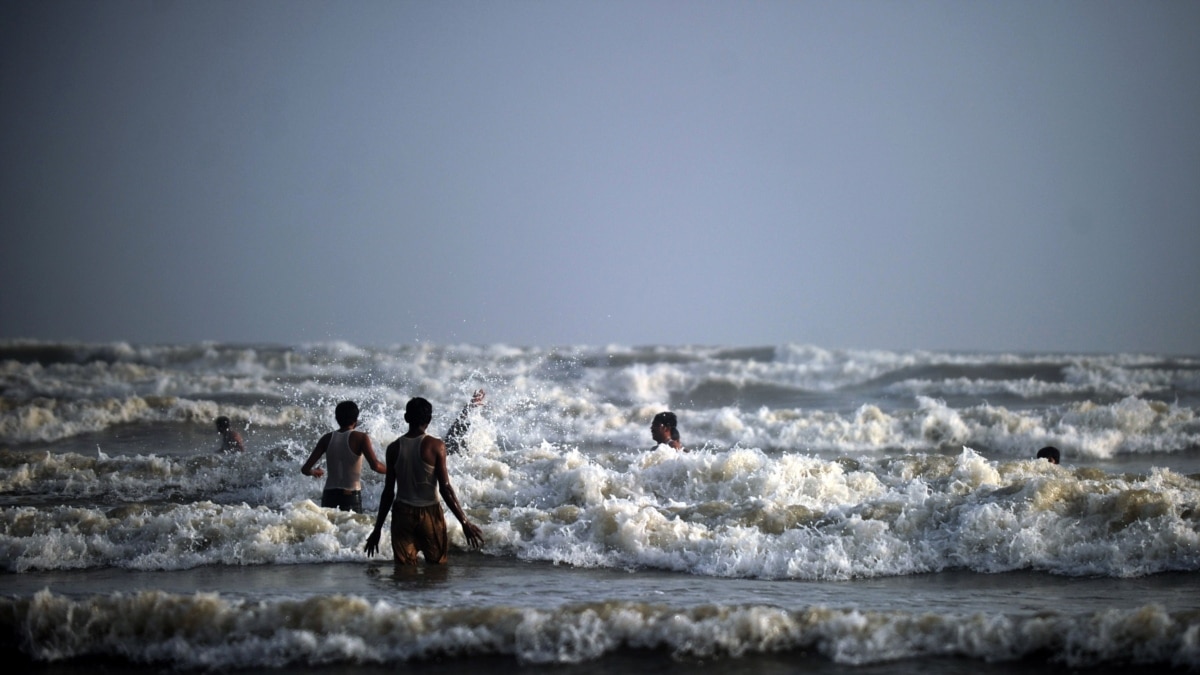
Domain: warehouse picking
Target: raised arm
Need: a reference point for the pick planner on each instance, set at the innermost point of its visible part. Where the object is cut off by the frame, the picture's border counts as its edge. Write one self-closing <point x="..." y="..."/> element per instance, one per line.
<point x="442" y="474"/>
<point x="385" y="499"/>
<point x="462" y="424"/>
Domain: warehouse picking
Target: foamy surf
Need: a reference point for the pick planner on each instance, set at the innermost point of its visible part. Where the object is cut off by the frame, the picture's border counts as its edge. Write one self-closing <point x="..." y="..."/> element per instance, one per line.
<point x="211" y="632"/>
<point x="737" y="513"/>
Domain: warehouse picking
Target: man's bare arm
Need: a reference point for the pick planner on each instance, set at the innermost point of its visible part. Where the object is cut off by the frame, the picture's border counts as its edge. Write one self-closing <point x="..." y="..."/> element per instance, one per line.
<point x="385" y="499"/>
<point x="308" y="469"/>
<point x="472" y="532"/>
<point x="455" y="437"/>
<point x="367" y="450"/>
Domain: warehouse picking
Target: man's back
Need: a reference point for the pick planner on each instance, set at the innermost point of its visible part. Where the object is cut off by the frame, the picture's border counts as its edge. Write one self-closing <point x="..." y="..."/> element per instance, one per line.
<point x="422" y="464"/>
<point x="416" y="482"/>
<point x="345" y="465"/>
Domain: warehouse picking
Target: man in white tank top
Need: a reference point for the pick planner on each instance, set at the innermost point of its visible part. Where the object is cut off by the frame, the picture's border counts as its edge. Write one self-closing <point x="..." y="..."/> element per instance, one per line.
<point x="416" y="474"/>
<point x="345" y="450"/>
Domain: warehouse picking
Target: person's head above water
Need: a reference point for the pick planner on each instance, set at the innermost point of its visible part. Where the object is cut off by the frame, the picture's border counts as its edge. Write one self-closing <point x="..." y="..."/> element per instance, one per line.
<point x="418" y="412"/>
<point x="662" y="426"/>
<point x="222" y="424"/>
<point x="346" y="413"/>
<point x="1049" y="453"/>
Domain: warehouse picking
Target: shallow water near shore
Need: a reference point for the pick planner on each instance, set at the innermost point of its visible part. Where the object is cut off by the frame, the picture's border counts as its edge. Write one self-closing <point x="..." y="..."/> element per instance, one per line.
<point x="486" y="580"/>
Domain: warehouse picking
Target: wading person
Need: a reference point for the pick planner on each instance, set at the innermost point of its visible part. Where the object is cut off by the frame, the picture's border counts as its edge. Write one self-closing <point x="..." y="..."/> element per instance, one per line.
<point x="416" y="474"/>
<point x="344" y="450"/>
<point x="231" y="441"/>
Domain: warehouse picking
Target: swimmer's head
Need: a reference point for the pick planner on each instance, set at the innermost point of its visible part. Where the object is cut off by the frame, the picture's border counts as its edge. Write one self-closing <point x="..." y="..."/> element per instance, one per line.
<point x="1049" y="453"/>
<point x="666" y="419"/>
<point x="663" y="427"/>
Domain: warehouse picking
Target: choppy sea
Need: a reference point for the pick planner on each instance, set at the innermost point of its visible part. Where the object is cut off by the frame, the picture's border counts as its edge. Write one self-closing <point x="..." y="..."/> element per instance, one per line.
<point x="833" y="511"/>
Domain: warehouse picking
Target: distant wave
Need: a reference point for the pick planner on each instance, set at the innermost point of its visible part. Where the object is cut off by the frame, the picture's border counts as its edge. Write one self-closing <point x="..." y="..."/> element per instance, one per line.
<point x="788" y="398"/>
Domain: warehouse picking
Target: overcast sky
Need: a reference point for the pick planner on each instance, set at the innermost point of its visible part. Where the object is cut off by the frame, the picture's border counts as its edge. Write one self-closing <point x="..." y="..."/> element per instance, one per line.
<point x="1001" y="175"/>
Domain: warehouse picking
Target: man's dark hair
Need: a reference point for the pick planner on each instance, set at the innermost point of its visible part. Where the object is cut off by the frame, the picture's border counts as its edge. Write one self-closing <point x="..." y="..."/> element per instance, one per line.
<point x="1049" y="452"/>
<point x="667" y="419"/>
<point x="418" y="411"/>
<point x="346" y="413"/>
<point x="222" y="423"/>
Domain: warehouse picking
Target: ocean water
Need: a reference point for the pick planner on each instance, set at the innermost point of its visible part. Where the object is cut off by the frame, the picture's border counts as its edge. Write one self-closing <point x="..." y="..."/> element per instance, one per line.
<point x="833" y="511"/>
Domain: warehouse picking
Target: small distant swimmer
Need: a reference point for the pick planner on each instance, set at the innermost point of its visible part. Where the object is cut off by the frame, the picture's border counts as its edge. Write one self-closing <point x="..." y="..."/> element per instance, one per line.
<point x="416" y="474"/>
<point x="1049" y="453"/>
<point x="231" y="441"/>
<point x="664" y="429"/>
<point x="456" y="437"/>
<point x="346" y="449"/>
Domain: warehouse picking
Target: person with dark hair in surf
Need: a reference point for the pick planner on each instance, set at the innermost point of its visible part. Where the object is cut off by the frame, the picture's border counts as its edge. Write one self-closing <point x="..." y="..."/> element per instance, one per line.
<point x="416" y="475"/>
<point x="231" y="441"/>
<point x="1049" y="453"/>
<point x="664" y="429"/>
<point x="345" y="450"/>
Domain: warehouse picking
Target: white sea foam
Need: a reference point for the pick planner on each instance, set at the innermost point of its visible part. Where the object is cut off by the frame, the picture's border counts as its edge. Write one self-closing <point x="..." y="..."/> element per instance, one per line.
<point x="734" y="513"/>
<point x="805" y="463"/>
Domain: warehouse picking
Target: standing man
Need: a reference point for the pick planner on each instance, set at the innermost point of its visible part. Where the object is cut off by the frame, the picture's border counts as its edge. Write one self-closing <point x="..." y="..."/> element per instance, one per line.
<point x="346" y="449"/>
<point x="416" y="473"/>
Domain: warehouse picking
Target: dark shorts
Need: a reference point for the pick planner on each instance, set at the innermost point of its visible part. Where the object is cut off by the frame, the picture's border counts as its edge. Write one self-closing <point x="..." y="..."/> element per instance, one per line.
<point x="342" y="500"/>
<point x="419" y="528"/>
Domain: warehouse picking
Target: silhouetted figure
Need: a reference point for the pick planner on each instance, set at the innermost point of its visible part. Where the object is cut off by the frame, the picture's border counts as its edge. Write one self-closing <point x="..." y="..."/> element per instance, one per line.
<point x="416" y="474"/>
<point x="345" y="450"/>
<point x="231" y="441"/>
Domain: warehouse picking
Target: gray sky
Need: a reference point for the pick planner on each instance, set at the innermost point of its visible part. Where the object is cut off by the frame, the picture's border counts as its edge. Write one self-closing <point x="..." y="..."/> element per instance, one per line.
<point x="1002" y="175"/>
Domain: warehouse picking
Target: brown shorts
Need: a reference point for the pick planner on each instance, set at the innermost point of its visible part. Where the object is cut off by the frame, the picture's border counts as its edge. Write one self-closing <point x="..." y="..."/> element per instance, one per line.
<point x="419" y="528"/>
